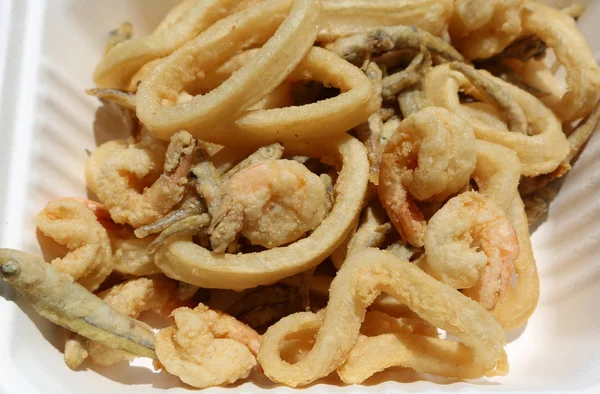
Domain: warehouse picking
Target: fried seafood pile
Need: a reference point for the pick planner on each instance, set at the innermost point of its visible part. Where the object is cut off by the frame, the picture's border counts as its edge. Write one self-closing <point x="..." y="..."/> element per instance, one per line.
<point x="363" y="173"/>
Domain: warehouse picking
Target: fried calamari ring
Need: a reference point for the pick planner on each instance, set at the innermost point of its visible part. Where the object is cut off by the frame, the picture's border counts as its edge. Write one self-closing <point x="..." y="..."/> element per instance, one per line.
<point x="573" y="52"/>
<point x="362" y="278"/>
<point x="294" y="24"/>
<point x="519" y="304"/>
<point x="326" y="118"/>
<point x="183" y="260"/>
<point x="540" y="152"/>
<point x="497" y="173"/>
<point x="345" y="17"/>
<point x="181" y="24"/>
<point x="330" y="117"/>
<point x="482" y="28"/>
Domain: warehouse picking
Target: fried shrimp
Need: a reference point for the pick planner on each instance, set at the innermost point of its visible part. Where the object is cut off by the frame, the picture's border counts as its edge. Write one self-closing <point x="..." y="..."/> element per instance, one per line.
<point x="349" y="181"/>
<point x="131" y="299"/>
<point x="71" y="224"/>
<point x="121" y="180"/>
<point x="271" y="203"/>
<point x="364" y="276"/>
<point x="431" y="156"/>
<point x="464" y="221"/>
<point x="207" y="348"/>
<point x="539" y="153"/>
<point x="269" y="152"/>
<point x="483" y="28"/>
<point x="97" y="159"/>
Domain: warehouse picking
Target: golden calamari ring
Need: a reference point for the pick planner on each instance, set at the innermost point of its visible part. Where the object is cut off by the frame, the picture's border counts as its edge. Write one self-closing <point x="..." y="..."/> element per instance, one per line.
<point x="183" y="260"/>
<point x="540" y="152"/>
<point x="497" y="173"/>
<point x="324" y="119"/>
<point x="288" y="29"/>
<point x="346" y="17"/>
<point x="181" y="24"/>
<point x="365" y="275"/>
<point x="559" y="32"/>
<point x="520" y="302"/>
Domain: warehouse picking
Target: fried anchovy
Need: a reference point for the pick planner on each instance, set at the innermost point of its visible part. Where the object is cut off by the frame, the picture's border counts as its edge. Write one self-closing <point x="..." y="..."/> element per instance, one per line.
<point x="122" y="33"/>
<point x="369" y="132"/>
<point x="191" y="205"/>
<point x="121" y="97"/>
<point x="207" y="182"/>
<point x="512" y="112"/>
<point x="524" y="49"/>
<point x="504" y="72"/>
<point x="401" y="80"/>
<point x="58" y="298"/>
<point x="191" y="224"/>
<point x="360" y="47"/>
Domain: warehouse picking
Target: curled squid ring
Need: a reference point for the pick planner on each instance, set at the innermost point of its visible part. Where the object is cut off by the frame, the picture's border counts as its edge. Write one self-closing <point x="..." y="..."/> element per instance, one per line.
<point x="519" y="304"/>
<point x="181" y="24"/>
<point x="497" y="173"/>
<point x="288" y="29"/>
<point x="573" y="52"/>
<point x="365" y="275"/>
<point x="540" y="152"/>
<point x="183" y="260"/>
<point x="330" y="117"/>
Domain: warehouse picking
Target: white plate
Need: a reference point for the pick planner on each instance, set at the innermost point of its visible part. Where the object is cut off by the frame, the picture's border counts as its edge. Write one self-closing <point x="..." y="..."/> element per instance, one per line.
<point x="47" y="53"/>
